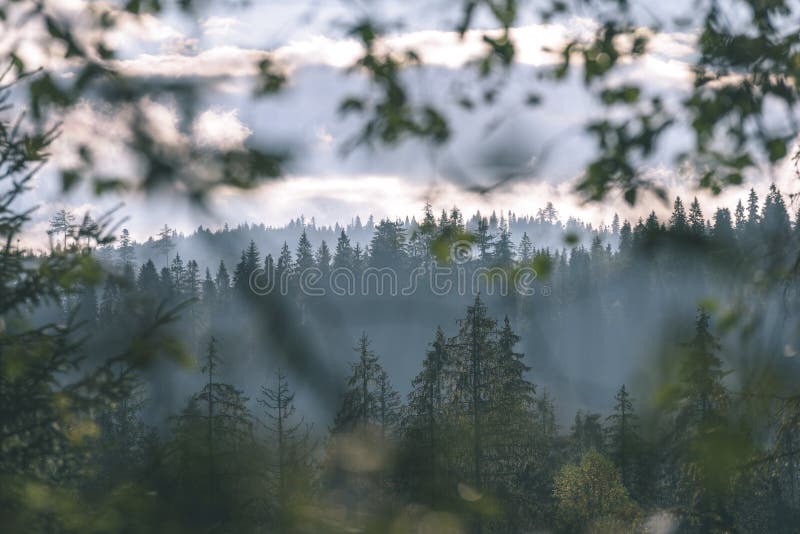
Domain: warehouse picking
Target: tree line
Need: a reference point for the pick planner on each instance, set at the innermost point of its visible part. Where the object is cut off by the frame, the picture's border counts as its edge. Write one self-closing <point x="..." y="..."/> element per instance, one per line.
<point x="471" y="443"/>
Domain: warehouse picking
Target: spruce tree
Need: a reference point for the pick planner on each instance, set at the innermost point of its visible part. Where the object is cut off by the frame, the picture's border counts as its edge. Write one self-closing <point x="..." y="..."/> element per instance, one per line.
<point x="289" y="439"/>
<point x="223" y="281"/>
<point x="525" y="249"/>
<point x="360" y="404"/>
<point x="425" y="423"/>
<point x="623" y="438"/>
<point x="503" y="255"/>
<point x="343" y="256"/>
<point x="697" y="225"/>
<point x="677" y="221"/>
<point x="215" y="446"/>
<point x="304" y="255"/>
<point x="323" y="260"/>
<point x="285" y="265"/>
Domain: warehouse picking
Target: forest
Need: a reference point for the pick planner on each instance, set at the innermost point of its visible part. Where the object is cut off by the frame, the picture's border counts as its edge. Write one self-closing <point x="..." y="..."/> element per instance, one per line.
<point x="446" y="370"/>
<point x="661" y="429"/>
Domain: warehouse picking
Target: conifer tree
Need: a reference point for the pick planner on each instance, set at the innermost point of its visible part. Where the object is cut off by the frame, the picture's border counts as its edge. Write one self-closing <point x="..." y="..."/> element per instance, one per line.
<point x="484" y="240"/>
<point x="623" y="437"/>
<point x="223" y="281"/>
<point x="343" y="256"/>
<point x="63" y="222"/>
<point x="425" y="422"/>
<point x="192" y="279"/>
<point x="739" y="218"/>
<point x="697" y="224"/>
<point x="177" y="273"/>
<point x="289" y="439"/>
<point x="525" y="249"/>
<point x="323" y="260"/>
<point x="125" y="249"/>
<point x="504" y="250"/>
<point x="387" y="247"/>
<point x="147" y="281"/>
<point x="360" y="406"/>
<point x="305" y="255"/>
<point x="700" y="419"/>
<point x="249" y="261"/>
<point x="214" y="444"/>
<point x="677" y="221"/>
<point x="164" y="244"/>
<point x="285" y="264"/>
<point x="209" y="290"/>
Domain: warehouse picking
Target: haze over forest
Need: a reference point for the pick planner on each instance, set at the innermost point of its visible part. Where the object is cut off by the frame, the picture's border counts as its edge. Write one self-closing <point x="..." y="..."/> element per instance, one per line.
<point x="561" y="295"/>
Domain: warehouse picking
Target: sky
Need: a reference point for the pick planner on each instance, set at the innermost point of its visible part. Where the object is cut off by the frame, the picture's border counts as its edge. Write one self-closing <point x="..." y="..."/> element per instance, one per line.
<point x="220" y="47"/>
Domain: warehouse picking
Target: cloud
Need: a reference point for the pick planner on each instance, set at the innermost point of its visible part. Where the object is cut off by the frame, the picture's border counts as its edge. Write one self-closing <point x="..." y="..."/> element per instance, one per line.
<point x="219" y="26"/>
<point x="221" y="61"/>
<point x="220" y="129"/>
<point x="545" y="144"/>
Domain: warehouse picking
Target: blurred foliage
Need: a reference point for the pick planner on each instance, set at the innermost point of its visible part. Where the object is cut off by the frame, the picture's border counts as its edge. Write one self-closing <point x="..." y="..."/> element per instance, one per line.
<point x="739" y="68"/>
<point x="74" y="456"/>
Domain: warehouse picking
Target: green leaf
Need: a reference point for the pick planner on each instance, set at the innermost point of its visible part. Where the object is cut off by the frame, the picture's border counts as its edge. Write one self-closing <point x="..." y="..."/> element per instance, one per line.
<point x="776" y="149"/>
<point x="68" y="179"/>
<point x="630" y="196"/>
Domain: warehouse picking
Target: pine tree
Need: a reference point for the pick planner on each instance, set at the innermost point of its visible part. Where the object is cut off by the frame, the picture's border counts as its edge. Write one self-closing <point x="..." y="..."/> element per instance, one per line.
<point x="359" y="258"/>
<point x="209" y="290"/>
<point x="388" y="406"/>
<point x="63" y="222"/>
<point x="504" y="250"/>
<point x="304" y="255"/>
<point x="215" y="444"/>
<point x="285" y="264"/>
<point x="753" y="217"/>
<point x="324" y="260"/>
<point x="677" y="222"/>
<point x="164" y="244"/>
<point x="474" y="363"/>
<point x="249" y="261"/>
<point x="424" y="424"/>
<point x="343" y="256"/>
<point x="147" y="281"/>
<point x="700" y="424"/>
<point x="178" y="274"/>
<point x="739" y="218"/>
<point x="192" y="279"/>
<point x="623" y="438"/>
<point x="484" y="240"/>
<point x="525" y="249"/>
<point x="775" y="219"/>
<point x="427" y="230"/>
<point x="722" y="231"/>
<point x="223" y="281"/>
<point x="166" y="287"/>
<point x="290" y="439"/>
<point x="705" y="398"/>
<point x="625" y="240"/>
<point x="697" y="224"/>
<point x="387" y="247"/>
<point x="125" y="249"/>
<point x="359" y="407"/>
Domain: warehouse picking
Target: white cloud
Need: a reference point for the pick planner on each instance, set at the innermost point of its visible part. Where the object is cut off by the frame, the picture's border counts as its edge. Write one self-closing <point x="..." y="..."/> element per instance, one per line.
<point x="216" y="62"/>
<point x="220" y="129"/>
<point x="219" y="26"/>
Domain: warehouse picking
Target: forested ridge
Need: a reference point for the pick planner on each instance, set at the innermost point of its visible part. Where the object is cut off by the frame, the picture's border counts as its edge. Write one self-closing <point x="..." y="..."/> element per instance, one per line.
<point x="680" y="427"/>
<point x="447" y="372"/>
